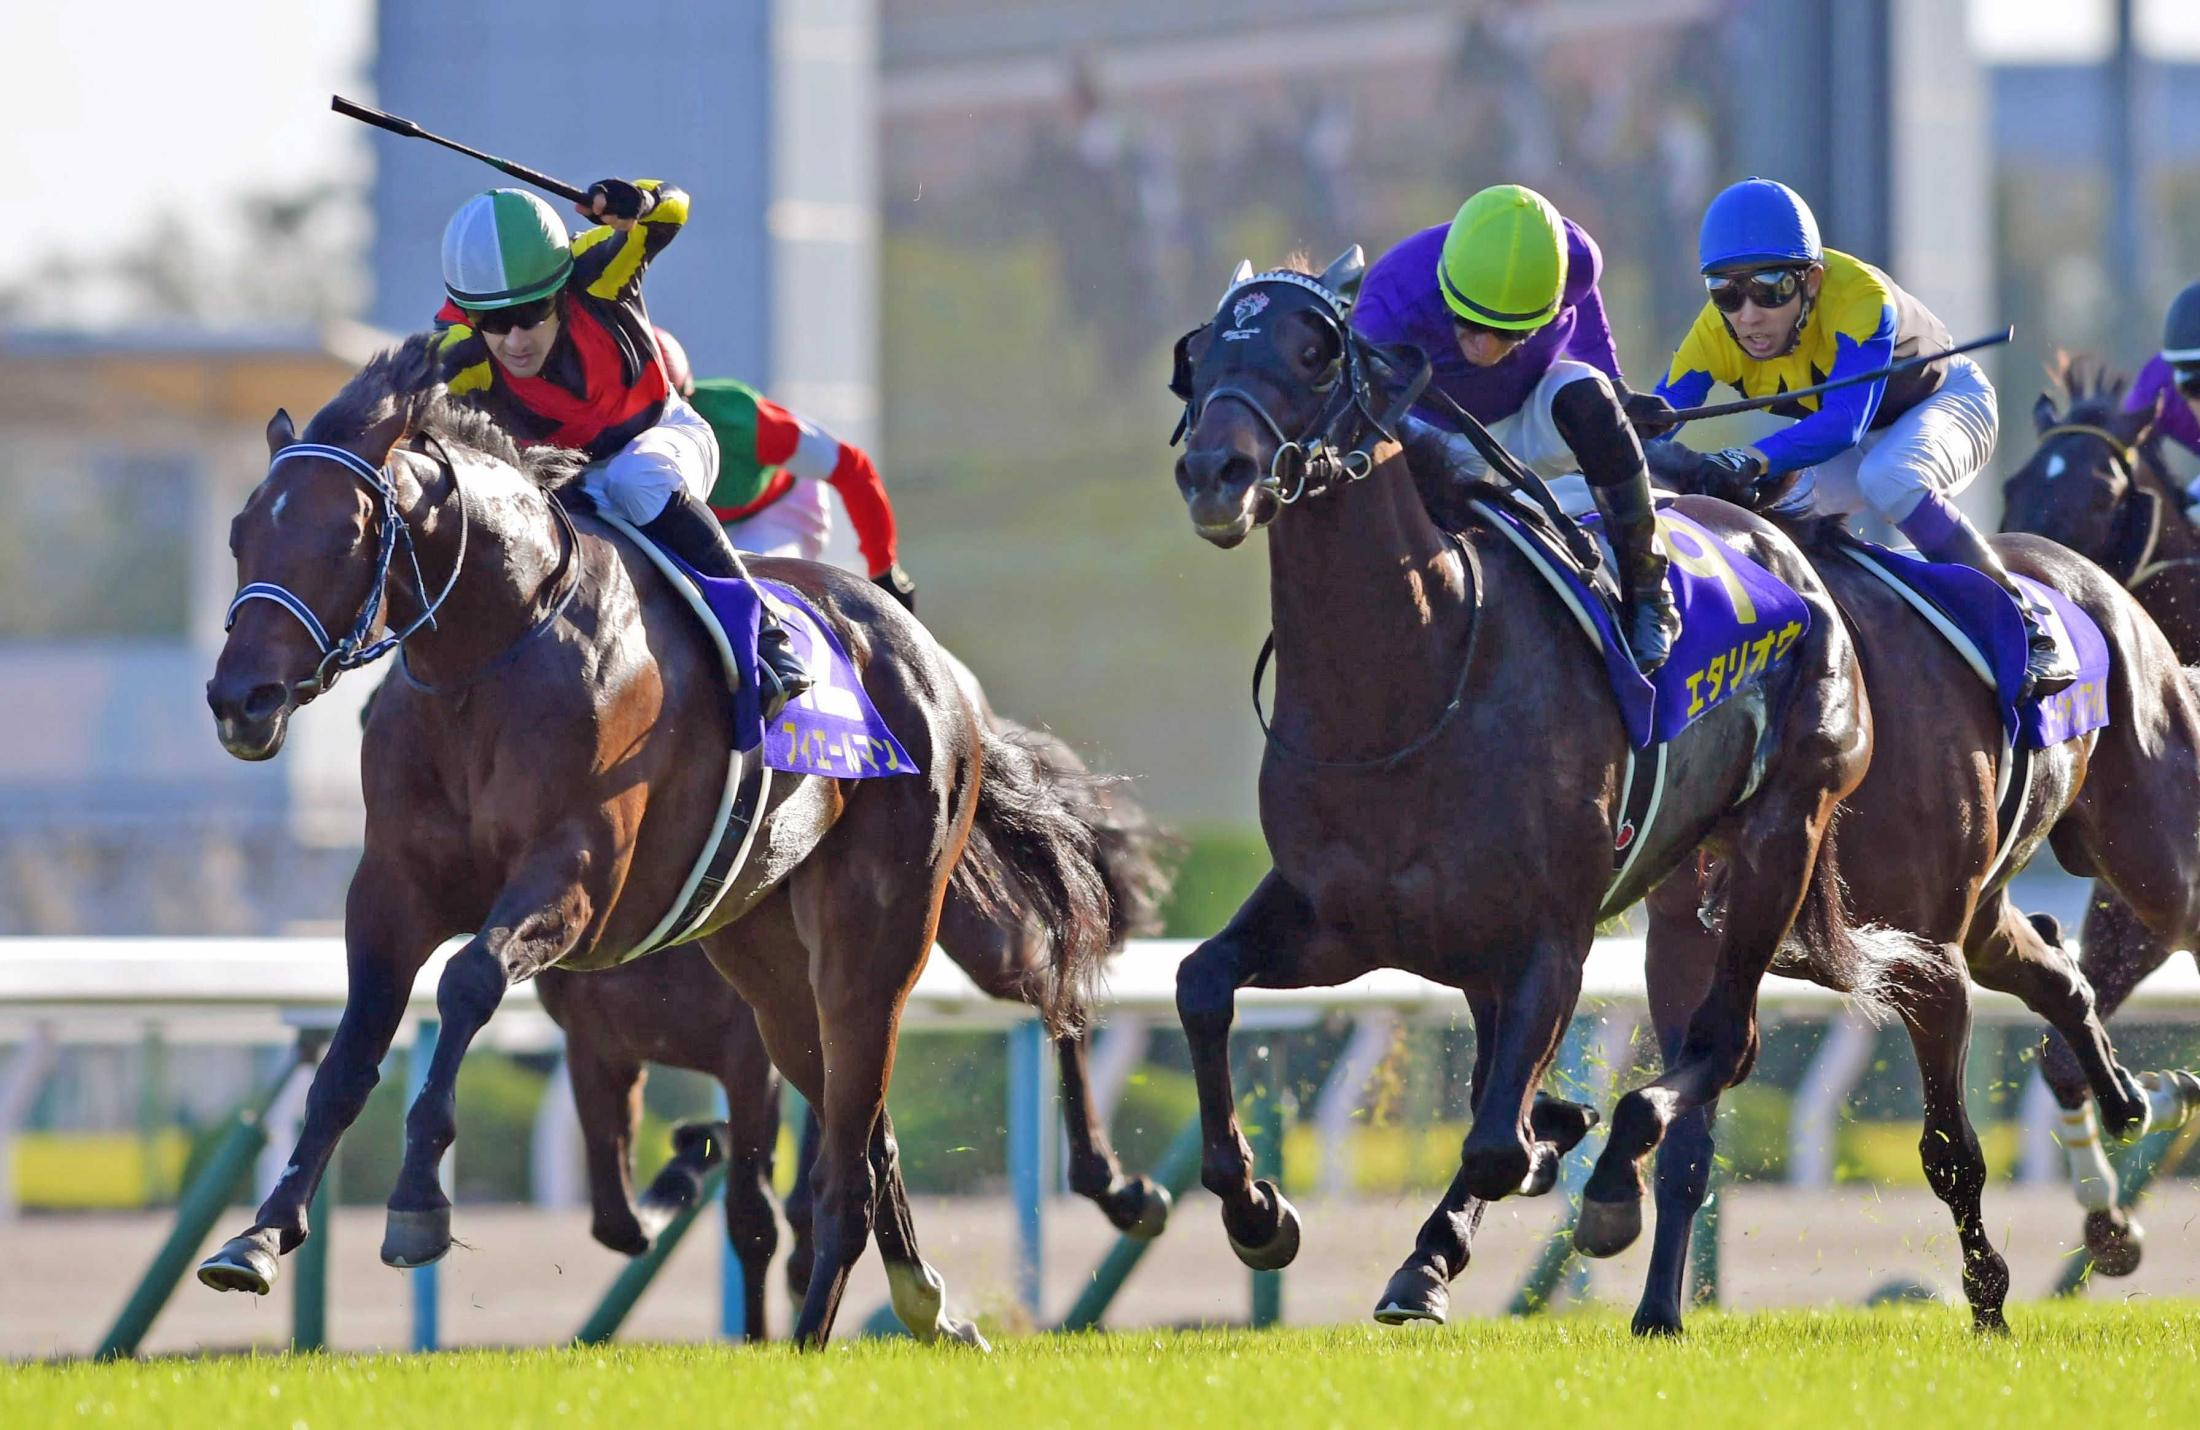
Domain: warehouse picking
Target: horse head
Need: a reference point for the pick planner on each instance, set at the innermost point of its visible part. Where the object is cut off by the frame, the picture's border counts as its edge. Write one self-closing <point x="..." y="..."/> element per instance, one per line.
<point x="1277" y="391"/>
<point x="312" y="546"/>
<point x="2084" y="485"/>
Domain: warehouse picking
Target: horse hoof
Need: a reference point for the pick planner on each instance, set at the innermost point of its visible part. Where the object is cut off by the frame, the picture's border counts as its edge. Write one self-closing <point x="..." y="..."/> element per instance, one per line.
<point x="1607" y="1228"/>
<point x="2114" y="1241"/>
<point x="1280" y="1249"/>
<point x="1543" y="1171"/>
<point x="673" y="1192"/>
<point x="963" y="1333"/>
<point x="241" y="1265"/>
<point x="626" y="1238"/>
<point x="2049" y="928"/>
<point x="1154" y="1205"/>
<point x="1661" y="1321"/>
<point x="699" y="1142"/>
<point x="411" y="1239"/>
<point x="1415" y="1294"/>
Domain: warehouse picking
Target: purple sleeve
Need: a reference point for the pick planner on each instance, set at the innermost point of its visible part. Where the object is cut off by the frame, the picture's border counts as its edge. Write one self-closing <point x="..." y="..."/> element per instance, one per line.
<point x="1591" y="339"/>
<point x="2177" y="422"/>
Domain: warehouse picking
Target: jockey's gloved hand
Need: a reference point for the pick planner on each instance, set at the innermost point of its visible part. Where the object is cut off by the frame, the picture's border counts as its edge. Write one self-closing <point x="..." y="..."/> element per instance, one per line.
<point x="616" y="200"/>
<point x="1649" y="413"/>
<point x="1730" y="475"/>
<point x="897" y="584"/>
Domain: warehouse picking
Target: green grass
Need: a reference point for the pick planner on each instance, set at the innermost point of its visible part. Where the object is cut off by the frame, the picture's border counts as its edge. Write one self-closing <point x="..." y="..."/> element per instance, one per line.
<point x="2124" y="1364"/>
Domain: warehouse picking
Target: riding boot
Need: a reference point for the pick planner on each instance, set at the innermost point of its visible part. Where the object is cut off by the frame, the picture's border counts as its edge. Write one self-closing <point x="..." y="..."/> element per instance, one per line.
<point x="1953" y="538"/>
<point x="687" y="529"/>
<point x="1631" y="523"/>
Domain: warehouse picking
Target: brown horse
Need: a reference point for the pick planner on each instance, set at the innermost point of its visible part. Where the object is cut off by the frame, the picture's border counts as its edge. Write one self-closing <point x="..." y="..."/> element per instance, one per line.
<point x="674" y="1009"/>
<point x="1443" y="783"/>
<point x="544" y="781"/>
<point x="2097" y="485"/>
<point x="1918" y="845"/>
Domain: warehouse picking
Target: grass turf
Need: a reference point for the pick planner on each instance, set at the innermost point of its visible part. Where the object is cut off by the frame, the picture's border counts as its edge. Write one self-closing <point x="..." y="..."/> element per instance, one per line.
<point x="2070" y="1364"/>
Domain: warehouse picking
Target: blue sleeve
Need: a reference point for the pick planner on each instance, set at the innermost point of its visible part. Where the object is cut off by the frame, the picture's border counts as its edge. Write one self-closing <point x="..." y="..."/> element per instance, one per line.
<point x="1682" y="389"/>
<point x="1842" y="417"/>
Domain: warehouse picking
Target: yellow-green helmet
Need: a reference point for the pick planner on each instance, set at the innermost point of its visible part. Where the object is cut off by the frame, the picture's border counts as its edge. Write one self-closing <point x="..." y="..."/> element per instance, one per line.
<point x="1504" y="262"/>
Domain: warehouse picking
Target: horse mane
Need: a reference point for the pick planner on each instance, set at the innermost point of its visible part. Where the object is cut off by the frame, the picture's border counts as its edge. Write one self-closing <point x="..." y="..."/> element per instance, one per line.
<point x="2093" y="391"/>
<point x="403" y="379"/>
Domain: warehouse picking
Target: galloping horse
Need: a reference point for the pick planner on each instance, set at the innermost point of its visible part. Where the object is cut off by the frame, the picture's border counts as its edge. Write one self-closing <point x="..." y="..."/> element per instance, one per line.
<point x="1443" y="784"/>
<point x="546" y="775"/>
<point x="1919" y="846"/>
<point x="2097" y="485"/>
<point x="673" y="1008"/>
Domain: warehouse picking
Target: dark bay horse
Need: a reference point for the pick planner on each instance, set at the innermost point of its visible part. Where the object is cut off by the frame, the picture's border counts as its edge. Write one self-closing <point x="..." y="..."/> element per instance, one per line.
<point x="673" y="1008"/>
<point x="1441" y="790"/>
<point x="1919" y="849"/>
<point x="543" y="782"/>
<point x="2097" y="484"/>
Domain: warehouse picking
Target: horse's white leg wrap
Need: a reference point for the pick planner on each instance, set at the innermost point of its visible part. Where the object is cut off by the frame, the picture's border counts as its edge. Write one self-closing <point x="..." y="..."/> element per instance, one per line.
<point x="2091" y="1178"/>
<point x="919" y="1295"/>
<point x="2171" y="1099"/>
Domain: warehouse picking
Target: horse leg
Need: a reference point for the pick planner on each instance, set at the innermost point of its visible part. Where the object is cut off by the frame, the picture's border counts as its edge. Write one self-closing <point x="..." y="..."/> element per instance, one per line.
<point x="2008" y="953"/>
<point x="1002" y="955"/>
<point x="387" y="937"/>
<point x="1419" y="1290"/>
<point x="1266" y="941"/>
<point x="802" y="1209"/>
<point x="1502" y="1154"/>
<point x="1769" y="869"/>
<point x="2117" y="953"/>
<point x="918" y="1291"/>
<point x="533" y="924"/>
<point x="1682" y="956"/>
<point x="1135" y="1206"/>
<point x="607" y="1093"/>
<point x="752" y="1139"/>
<point x="1936" y="1012"/>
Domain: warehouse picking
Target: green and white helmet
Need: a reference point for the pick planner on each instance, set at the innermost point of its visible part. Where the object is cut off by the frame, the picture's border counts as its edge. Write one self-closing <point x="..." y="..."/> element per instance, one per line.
<point x="504" y="248"/>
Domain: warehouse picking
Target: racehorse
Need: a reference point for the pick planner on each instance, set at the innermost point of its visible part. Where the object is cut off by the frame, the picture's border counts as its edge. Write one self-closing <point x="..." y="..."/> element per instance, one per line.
<point x="1920" y="850"/>
<point x="544" y="778"/>
<point x="1443" y="782"/>
<point x="2098" y="485"/>
<point x="673" y="1008"/>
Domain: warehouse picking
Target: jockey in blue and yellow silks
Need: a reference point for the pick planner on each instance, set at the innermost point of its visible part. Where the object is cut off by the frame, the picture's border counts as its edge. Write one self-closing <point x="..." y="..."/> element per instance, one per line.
<point x="1787" y="313"/>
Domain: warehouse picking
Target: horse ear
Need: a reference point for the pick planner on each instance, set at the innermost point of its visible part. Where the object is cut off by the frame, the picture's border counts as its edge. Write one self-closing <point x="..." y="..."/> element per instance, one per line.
<point x="1344" y="273"/>
<point x="280" y="433"/>
<point x="378" y="441"/>
<point x="2043" y="413"/>
<point x="1243" y="271"/>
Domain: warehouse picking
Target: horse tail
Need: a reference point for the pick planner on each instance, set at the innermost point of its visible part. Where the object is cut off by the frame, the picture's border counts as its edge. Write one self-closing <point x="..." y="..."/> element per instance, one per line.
<point x="1876" y="966"/>
<point x="1039" y="849"/>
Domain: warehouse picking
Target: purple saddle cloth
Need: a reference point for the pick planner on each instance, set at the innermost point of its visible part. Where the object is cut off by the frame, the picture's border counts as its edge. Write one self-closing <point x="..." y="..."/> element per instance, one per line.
<point x="832" y="729"/>
<point x="1983" y="611"/>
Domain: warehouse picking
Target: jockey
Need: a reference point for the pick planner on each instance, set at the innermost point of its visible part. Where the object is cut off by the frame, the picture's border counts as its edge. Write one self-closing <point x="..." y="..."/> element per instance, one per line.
<point x="774" y="471"/>
<point x="1785" y="312"/>
<point x="551" y="336"/>
<point x="1503" y="300"/>
<point x="2172" y="377"/>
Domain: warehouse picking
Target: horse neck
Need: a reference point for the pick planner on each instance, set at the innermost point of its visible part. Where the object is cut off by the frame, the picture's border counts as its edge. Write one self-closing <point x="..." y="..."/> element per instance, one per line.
<point x="1360" y="578"/>
<point x="512" y="561"/>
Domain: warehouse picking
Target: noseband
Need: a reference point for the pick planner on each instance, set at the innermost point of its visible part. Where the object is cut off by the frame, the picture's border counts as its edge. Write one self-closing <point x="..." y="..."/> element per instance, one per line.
<point x="351" y="650"/>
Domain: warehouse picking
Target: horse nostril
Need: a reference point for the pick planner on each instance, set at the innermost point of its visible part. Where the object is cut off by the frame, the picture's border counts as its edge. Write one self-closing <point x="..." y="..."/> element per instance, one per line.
<point x="264" y="701"/>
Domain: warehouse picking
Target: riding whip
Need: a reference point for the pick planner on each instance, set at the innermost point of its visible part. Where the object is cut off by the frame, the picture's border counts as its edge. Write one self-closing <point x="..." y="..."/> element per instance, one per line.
<point x="1664" y="420"/>
<point x="410" y="130"/>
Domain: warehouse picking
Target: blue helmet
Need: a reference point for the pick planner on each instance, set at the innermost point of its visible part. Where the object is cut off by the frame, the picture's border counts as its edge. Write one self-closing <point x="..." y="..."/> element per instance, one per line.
<point x="1757" y="221"/>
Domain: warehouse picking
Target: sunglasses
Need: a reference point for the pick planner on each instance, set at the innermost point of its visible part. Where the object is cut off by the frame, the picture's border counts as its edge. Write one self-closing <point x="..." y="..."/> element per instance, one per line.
<point x="1766" y="287"/>
<point x="523" y="315"/>
<point x="2188" y="378"/>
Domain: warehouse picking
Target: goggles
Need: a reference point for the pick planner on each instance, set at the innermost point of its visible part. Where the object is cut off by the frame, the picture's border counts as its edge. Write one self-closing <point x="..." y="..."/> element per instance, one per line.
<point x="1768" y="288"/>
<point x="519" y="315"/>
<point x="2187" y="376"/>
<point x="1510" y="337"/>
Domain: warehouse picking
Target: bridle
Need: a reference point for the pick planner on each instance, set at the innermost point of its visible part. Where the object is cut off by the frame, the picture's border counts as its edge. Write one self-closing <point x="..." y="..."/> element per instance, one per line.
<point x="2123" y="455"/>
<point x="1334" y="447"/>
<point x="352" y="649"/>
